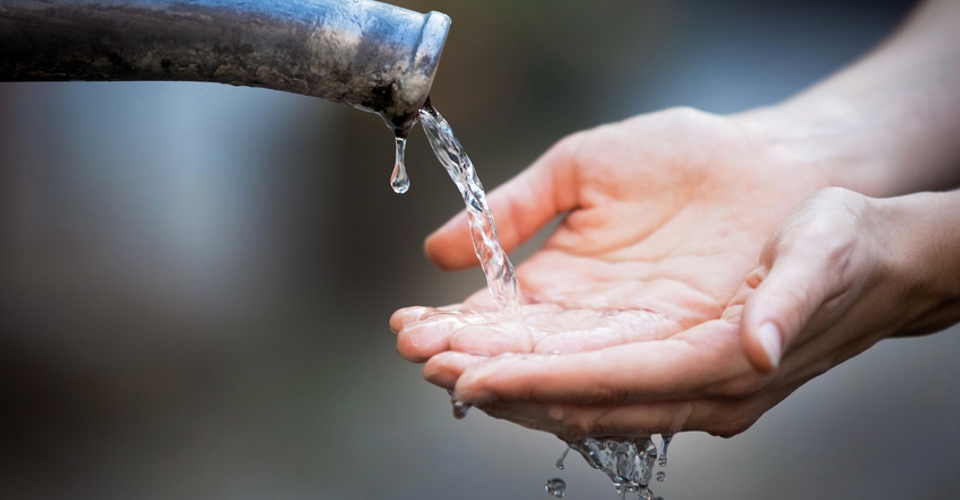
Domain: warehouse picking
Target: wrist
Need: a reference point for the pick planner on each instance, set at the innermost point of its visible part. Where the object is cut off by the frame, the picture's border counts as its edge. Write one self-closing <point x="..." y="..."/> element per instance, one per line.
<point x="831" y="138"/>
<point x="923" y="241"/>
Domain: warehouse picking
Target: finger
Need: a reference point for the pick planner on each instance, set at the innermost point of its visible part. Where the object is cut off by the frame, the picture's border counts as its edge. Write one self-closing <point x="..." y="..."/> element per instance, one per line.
<point x="688" y="364"/>
<point x="521" y="207"/>
<point x="802" y="276"/>
<point x="491" y="339"/>
<point x="429" y="334"/>
<point x="445" y="368"/>
<point x="405" y="316"/>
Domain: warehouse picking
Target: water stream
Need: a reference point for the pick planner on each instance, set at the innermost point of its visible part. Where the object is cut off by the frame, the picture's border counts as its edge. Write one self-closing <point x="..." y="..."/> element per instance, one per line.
<point x="501" y="279"/>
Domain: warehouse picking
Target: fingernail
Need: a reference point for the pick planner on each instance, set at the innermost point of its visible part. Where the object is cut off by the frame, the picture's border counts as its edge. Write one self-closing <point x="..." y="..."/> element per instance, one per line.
<point x="769" y="336"/>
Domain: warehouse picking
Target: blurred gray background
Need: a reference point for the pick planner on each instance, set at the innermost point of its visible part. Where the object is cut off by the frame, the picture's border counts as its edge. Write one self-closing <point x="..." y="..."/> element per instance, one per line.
<point x="195" y="279"/>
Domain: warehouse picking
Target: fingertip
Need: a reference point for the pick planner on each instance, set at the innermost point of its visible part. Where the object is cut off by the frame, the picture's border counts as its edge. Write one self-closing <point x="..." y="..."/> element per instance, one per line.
<point x="445" y="369"/>
<point x="420" y="342"/>
<point x="470" y="390"/>
<point x="763" y="346"/>
<point x="770" y="339"/>
<point x="404" y="316"/>
<point x="439" y="376"/>
<point x="472" y="385"/>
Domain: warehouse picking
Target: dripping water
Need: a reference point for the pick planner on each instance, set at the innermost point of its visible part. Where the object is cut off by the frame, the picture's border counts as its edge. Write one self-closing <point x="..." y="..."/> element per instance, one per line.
<point x="662" y="461"/>
<point x="399" y="180"/>
<point x="559" y="462"/>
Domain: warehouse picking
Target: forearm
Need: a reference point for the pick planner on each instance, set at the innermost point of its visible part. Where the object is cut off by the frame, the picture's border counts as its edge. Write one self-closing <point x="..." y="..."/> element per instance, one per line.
<point x="890" y="123"/>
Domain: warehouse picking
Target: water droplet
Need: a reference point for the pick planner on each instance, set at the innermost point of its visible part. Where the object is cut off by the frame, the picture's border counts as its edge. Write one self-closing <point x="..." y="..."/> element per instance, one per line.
<point x="556" y="487"/>
<point x="661" y="476"/>
<point x="399" y="180"/>
<point x="460" y="409"/>
<point x="662" y="462"/>
<point x="559" y="462"/>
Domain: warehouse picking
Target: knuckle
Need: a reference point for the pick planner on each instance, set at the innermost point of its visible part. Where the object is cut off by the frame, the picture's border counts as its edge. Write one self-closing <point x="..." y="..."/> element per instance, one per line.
<point x="569" y="145"/>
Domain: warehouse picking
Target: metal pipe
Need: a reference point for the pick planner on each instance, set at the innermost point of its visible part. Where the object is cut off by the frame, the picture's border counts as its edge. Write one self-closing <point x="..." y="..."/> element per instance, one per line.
<point x="371" y="55"/>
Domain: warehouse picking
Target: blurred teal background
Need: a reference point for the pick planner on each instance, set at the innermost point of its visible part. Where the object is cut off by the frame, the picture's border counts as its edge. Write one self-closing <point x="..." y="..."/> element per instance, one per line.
<point x="195" y="279"/>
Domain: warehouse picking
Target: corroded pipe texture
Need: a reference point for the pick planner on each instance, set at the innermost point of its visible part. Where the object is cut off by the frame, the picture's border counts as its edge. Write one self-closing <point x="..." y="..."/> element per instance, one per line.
<point x="370" y="55"/>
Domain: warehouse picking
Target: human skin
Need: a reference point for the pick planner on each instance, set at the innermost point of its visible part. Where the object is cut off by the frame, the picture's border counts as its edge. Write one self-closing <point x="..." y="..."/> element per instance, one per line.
<point x="705" y="266"/>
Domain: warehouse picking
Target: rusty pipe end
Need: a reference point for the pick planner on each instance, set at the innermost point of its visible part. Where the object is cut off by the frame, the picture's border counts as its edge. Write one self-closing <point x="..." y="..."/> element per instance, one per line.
<point x="371" y="55"/>
<point x="412" y="87"/>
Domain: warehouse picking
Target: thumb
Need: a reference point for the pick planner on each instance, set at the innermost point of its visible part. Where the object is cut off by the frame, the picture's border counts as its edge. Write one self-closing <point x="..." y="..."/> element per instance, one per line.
<point x="799" y="281"/>
<point x="521" y="207"/>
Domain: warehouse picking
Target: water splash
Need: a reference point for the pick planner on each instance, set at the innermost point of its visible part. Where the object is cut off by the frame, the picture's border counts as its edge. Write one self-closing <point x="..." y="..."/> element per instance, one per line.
<point x="628" y="463"/>
<point x="559" y="462"/>
<point x="501" y="278"/>
<point x="399" y="180"/>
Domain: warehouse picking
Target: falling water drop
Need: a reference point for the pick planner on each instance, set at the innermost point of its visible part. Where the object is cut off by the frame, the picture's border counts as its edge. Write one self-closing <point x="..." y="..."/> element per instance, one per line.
<point x="556" y="487"/>
<point x="399" y="180"/>
<point x="662" y="461"/>
<point x="559" y="462"/>
<point x="661" y="476"/>
<point x="460" y="409"/>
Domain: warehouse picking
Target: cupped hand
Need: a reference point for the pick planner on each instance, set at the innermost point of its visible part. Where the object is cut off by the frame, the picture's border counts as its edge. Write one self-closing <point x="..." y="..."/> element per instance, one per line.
<point x="631" y="308"/>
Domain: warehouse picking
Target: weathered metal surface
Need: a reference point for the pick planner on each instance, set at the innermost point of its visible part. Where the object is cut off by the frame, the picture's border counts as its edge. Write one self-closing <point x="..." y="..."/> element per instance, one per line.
<point x="370" y="55"/>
